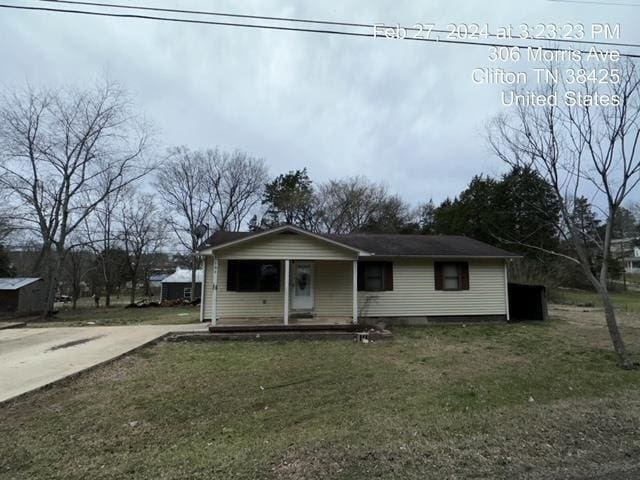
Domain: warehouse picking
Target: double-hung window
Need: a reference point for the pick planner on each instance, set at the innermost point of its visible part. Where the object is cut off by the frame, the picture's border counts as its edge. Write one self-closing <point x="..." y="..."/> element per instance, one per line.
<point x="253" y="276"/>
<point x="451" y="276"/>
<point x="375" y="276"/>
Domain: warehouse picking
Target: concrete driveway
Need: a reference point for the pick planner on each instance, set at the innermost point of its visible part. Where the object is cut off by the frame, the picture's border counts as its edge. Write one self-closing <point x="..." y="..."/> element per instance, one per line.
<point x="33" y="357"/>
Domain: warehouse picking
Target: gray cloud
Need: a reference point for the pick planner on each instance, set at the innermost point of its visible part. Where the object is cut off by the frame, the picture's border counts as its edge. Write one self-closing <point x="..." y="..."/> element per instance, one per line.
<point x="403" y="112"/>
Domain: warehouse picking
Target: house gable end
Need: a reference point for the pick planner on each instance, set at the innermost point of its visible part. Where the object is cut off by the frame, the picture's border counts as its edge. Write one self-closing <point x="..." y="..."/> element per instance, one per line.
<point x="286" y="244"/>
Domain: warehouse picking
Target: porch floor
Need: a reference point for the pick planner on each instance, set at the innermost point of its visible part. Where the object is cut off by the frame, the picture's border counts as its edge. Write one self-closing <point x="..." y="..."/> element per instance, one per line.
<point x="276" y="324"/>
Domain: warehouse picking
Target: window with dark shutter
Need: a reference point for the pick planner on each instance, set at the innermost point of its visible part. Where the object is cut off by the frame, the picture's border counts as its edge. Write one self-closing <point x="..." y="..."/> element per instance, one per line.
<point x="253" y="276"/>
<point x="375" y="276"/>
<point x="464" y="276"/>
<point x="451" y="276"/>
<point x="232" y="276"/>
<point x="437" y="270"/>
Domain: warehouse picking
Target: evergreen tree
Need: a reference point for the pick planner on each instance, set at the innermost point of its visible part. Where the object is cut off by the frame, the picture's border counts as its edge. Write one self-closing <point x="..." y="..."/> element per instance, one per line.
<point x="289" y="199"/>
<point x="528" y="210"/>
<point x="520" y="208"/>
<point x="625" y="224"/>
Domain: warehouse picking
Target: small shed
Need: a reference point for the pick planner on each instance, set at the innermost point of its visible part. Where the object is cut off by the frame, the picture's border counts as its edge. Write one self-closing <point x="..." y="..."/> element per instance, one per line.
<point x="22" y="296"/>
<point x="528" y="302"/>
<point x="177" y="286"/>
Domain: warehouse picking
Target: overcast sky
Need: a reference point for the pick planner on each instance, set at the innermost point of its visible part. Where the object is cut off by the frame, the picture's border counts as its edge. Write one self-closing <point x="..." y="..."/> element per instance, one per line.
<point x="406" y="113"/>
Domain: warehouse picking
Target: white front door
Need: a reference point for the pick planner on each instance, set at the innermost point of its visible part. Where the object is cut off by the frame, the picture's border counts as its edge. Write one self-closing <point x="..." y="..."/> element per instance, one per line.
<point x="302" y="298"/>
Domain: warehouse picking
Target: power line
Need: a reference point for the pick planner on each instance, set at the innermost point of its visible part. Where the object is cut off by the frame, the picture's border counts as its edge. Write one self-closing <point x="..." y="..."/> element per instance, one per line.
<point x="317" y="22"/>
<point x="584" y="2"/>
<point x="290" y="29"/>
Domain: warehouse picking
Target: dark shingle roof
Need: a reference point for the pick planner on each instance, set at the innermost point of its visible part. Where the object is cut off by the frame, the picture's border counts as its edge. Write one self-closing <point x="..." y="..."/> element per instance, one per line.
<point x="220" y="238"/>
<point x="394" y="245"/>
<point x="420" y="245"/>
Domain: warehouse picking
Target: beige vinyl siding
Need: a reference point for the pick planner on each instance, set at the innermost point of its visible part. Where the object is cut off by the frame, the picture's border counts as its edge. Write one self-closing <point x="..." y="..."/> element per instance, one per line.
<point x="333" y="295"/>
<point x="414" y="292"/>
<point x="293" y="246"/>
<point x="207" y="295"/>
<point x="248" y="304"/>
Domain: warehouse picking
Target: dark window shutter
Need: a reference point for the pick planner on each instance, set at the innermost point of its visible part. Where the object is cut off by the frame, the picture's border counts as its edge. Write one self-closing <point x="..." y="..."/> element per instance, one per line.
<point x="360" y="277"/>
<point x="439" y="281"/>
<point x="464" y="275"/>
<point x="232" y="276"/>
<point x="388" y="276"/>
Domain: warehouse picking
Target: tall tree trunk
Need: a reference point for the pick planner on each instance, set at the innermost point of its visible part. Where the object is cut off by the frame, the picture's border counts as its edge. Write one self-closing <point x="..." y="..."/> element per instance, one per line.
<point x="147" y="286"/>
<point x="133" y="289"/>
<point x="54" y="260"/>
<point x="194" y="267"/>
<point x="624" y="360"/>
<point x="51" y="283"/>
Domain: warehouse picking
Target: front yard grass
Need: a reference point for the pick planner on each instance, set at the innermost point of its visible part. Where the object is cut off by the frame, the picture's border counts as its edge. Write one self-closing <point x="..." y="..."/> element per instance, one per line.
<point x="628" y="301"/>
<point x="506" y="401"/>
<point x="86" y="315"/>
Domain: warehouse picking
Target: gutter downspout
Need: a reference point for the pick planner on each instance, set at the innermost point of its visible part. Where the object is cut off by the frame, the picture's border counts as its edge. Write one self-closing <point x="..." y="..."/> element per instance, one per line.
<point x="506" y="292"/>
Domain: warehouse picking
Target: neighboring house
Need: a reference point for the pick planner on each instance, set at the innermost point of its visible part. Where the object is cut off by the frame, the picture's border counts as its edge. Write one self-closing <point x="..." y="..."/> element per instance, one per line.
<point x="288" y="273"/>
<point x="177" y="286"/>
<point x="632" y="264"/>
<point x="155" y="280"/>
<point x="620" y="246"/>
<point x="22" y="296"/>
<point x="626" y="250"/>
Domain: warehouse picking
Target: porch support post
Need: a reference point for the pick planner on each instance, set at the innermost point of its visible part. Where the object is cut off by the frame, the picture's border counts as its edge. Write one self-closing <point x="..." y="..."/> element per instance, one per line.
<point x="286" y="292"/>
<point x="355" y="292"/>
<point x="203" y="288"/>
<point x="214" y="306"/>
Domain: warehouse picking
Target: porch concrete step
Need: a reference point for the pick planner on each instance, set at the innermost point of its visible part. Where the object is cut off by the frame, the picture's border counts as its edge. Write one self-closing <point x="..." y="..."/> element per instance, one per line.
<point x="284" y="328"/>
<point x="274" y="336"/>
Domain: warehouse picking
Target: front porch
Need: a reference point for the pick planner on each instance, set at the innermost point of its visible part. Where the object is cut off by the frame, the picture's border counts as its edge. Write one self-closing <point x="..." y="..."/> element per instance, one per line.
<point x="284" y="294"/>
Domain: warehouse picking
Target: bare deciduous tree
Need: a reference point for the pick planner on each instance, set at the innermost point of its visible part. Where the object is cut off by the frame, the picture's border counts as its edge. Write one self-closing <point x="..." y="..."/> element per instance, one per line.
<point x="582" y="150"/>
<point x="182" y="184"/>
<point x="99" y="233"/>
<point x="62" y="153"/>
<point x="142" y="233"/>
<point x="7" y="219"/>
<point x="211" y="185"/>
<point x="5" y="227"/>
<point x="79" y="263"/>
<point x="356" y="204"/>
<point x="236" y="181"/>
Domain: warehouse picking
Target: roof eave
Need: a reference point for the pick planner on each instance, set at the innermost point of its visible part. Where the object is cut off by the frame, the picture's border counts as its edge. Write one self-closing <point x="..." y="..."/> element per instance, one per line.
<point x="451" y="257"/>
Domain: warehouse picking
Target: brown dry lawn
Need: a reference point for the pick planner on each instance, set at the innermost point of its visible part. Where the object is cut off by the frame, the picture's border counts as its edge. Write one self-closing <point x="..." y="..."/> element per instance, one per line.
<point x="531" y="401"/>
